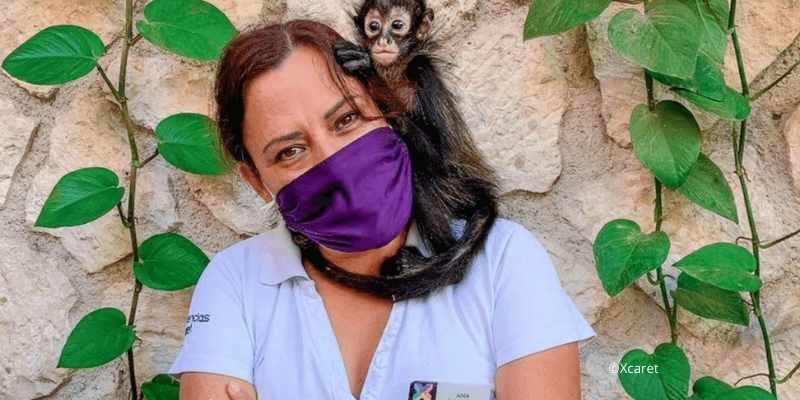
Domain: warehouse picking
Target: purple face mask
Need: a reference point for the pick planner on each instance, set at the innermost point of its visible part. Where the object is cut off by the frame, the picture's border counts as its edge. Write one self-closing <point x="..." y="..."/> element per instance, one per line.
<point x="357" y="199"/>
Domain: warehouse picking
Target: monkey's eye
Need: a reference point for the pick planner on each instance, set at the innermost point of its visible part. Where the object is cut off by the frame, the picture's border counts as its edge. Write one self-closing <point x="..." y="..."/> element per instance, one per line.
<point x="374" y="26"/>
<point x="397" y="25"/>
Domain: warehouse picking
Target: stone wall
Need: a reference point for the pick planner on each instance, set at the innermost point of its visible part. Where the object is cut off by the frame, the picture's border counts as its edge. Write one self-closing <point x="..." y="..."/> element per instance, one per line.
<point x="551" y="114"/>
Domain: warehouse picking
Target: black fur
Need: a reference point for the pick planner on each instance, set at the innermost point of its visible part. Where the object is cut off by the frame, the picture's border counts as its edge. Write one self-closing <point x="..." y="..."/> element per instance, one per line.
<point x="451" y="179"/>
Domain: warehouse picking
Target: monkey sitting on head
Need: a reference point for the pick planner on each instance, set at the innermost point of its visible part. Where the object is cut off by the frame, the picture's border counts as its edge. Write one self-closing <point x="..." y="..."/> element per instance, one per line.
<point x="394" y="43"/>
<point x="452" y="181"/>
<point x="392" y="36"/>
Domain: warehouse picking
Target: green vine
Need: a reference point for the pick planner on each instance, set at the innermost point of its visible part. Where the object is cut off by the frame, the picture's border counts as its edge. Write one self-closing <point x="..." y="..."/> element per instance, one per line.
<point x="168" y="261"/>
<point x="670" y="310"/>
<point x="755" y="296"/>
<point x="680" y="44"/>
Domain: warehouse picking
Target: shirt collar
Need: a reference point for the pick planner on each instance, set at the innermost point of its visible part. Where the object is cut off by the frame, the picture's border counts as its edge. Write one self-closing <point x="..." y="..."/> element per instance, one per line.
<point x="283" y="260"/>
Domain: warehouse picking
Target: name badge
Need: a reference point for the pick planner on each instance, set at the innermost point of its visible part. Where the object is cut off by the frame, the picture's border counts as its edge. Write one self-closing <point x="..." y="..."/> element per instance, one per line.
<point x="425" y="390"/>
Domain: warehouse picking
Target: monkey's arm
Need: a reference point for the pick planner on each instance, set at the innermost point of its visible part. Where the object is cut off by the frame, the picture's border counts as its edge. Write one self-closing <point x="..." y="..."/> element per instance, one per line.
<point x="435" y="106"/>
<point x="354" y="59"/>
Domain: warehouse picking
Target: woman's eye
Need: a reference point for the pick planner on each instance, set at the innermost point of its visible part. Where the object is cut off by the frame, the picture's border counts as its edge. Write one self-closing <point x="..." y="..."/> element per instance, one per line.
<point x="397" y="24"/>
<point x="374" y="26"/>
<point x="346" y="120"/>
<point x="287" y="151"/>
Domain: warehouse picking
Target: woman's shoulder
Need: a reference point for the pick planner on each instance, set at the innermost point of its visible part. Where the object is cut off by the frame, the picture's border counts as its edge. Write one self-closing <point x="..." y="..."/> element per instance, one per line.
<point x="507" y="238"/>
<point x="531" y="310"/>
<point x="249" y="259"/>
<point x="515" y="290"/>
<point x="511" y="252"/>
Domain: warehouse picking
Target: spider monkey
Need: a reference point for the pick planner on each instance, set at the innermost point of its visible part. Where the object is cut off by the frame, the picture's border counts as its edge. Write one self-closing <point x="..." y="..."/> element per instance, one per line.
<point x="395" y="57"/>
<point x="451" y="179"/>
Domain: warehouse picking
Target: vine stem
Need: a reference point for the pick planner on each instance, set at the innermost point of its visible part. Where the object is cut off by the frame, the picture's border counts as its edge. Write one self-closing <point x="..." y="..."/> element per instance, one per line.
<point x="782" y="380"/>
<point x="147" y="160"/>
<point x="781" y="239"/>
<point x="775" y="82"/>
<point x="739" y="155"/>
<point x="789" y="375"/>
<point x="669" y="310"/>
<point x="129" y="221"/>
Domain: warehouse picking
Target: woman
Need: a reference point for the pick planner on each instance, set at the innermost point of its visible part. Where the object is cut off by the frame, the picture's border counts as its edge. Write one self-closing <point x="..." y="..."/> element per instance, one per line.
<point x="266" y="318"/>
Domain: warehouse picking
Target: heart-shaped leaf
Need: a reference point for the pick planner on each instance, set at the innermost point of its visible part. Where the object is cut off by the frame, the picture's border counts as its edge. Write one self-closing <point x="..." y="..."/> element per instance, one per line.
<point x="732" y="106"/>
<point x="706" y="186"/>
<point x="745" y="393"/>
<point x="713" y="15"/>
<point x="707" y="387"/>
<point x="665" y="39"/>
<point x="169" y="261"/>
<point x="724" y="265"/>
<point x="99" y="337"/>
<point x="161" y="387"/>
<point x="710" y="301"/>
<point x="664" y="375"/>
<point x="190" y="28"/>
<point x="548" y="17"/>
<point x="666" y="140"/>
<point x="79" y="197"/>
<point x="55" y="55"/>
<point x="190" y="142"/>
<point x="623" y="254"/>
<point x="707" y="81"/>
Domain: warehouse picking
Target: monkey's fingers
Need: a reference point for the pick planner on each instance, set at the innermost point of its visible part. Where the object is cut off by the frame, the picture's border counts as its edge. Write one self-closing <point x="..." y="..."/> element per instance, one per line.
<point x="346" y="51"/>
<point x="351" y="55"/>
<point x="357" y="66"/>
<point x="343" y="44"/>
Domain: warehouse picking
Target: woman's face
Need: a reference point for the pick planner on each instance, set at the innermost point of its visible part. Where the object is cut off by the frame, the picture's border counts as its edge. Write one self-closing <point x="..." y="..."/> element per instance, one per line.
<point x="295" y="117"/>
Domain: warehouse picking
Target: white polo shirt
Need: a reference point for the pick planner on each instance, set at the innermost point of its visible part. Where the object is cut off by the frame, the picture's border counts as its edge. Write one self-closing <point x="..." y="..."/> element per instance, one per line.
<point x="256" y="315"/>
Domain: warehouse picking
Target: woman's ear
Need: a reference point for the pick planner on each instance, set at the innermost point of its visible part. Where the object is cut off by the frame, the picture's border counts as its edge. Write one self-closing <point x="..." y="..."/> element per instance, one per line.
<point x="253" y="179"/>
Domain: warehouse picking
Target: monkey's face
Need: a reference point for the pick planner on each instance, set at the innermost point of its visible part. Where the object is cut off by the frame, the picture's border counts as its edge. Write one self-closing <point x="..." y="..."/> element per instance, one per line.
<point x="390" y="35"/>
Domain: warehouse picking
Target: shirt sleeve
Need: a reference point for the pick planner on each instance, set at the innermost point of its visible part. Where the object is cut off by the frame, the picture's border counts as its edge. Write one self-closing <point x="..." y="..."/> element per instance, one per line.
<point x="532" y="312"/>
<point x="216" y="338"/>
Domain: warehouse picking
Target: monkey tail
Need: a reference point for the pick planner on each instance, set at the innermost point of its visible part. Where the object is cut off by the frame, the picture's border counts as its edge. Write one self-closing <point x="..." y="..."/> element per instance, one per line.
<point x="419" y="276"/>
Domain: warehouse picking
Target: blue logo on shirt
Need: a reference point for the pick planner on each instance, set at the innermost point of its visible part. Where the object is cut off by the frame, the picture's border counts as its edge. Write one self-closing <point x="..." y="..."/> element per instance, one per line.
<point x="195" y="318"/>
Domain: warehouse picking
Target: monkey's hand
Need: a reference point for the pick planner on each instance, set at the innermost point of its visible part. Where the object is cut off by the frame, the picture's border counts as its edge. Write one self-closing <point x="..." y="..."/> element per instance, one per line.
<point x="354" y="60"/>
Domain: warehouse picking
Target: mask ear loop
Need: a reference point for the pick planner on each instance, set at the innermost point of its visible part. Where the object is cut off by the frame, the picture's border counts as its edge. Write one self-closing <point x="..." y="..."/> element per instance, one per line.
<point x="268" y="205"/>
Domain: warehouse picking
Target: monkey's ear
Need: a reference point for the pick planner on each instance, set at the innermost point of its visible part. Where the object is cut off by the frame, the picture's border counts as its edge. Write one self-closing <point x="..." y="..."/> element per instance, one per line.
<point x="425" y="25"/>
<point x="359" y="25"/>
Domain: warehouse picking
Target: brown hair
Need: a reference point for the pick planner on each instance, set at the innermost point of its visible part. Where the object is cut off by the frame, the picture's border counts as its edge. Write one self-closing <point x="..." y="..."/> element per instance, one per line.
<point x="260" y="50"/>
<point x="456" y="184"/>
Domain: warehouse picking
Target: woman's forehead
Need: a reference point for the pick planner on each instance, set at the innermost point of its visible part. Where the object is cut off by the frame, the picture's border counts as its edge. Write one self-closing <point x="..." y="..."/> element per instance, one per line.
<point x="303" y="78"/>
<point x="296" y="95"/>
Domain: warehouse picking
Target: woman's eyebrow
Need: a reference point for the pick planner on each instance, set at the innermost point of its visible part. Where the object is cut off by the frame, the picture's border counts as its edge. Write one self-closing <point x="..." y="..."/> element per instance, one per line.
<point x="296" y="134"/>
<point x="285" y="138"/>
<point x="338" y="105"/>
